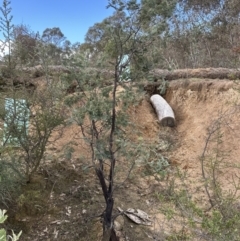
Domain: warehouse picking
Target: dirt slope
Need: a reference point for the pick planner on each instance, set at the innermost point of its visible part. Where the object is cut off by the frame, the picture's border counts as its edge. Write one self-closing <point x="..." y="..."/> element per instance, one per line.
<point x="197" y="104"/>
<point x="71" y="205"/>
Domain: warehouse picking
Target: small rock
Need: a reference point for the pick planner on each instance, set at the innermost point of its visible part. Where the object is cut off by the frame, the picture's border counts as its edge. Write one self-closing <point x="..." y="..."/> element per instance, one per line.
<point x="117" y="226"/>
<point x="119" y="223"/>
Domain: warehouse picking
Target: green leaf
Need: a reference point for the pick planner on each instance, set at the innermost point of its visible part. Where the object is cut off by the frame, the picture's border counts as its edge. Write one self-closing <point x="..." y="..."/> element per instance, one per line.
<point x="15" y="237"/>
<point x="3" y="217"/>
<point x="3" y="235"/>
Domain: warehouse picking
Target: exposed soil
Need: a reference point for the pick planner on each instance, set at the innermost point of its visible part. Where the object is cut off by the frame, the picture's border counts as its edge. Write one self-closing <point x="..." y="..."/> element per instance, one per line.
<point x="64" y="201"/>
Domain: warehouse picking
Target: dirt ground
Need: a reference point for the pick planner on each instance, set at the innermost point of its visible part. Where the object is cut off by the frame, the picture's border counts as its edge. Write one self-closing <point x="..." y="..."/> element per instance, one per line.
<point x="64" y="201"/>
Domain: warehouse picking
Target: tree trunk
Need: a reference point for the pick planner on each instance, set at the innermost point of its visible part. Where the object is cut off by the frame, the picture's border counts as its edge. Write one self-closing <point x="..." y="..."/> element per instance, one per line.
<point x="108" y="231"/>
<point x="106" y="234"/>
<point x="109" y="235"/>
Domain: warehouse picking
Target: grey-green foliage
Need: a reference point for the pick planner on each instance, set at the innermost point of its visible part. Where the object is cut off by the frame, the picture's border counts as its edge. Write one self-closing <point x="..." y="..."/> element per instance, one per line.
<point x="24" y="50"/>
<point x="155" y="14"/>
<point x="153" y="159"/>
<point x="159" y="165"/>
<point x="102" y="107"/>
<point x="123" y="34"/>
<point x="3" y="234"/>
<point x="50" y="46"/>
<point x="68" y="151"/>
<point x="30" y="135"/>
<point x="10" y="175"/>
<point x="102" y="110"/>
<point x="163" y="87"/>
<point x="53" y="36"/>
<point x="10" y="178"/>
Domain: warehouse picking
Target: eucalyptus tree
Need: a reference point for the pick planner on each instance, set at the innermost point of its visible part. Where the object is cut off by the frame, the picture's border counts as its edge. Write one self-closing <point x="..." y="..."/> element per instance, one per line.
<point x="24" y="45"/>
<point x="52" y="44"/>
<point x="202" y="34"/>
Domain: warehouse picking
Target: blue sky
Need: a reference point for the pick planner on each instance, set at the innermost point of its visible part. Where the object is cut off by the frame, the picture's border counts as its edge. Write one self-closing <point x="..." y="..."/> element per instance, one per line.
<point x="73" y="17"/>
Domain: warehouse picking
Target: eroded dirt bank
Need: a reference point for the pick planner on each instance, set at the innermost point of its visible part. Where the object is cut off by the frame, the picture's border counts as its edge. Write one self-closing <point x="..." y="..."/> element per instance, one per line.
<point x="72" y="195"/>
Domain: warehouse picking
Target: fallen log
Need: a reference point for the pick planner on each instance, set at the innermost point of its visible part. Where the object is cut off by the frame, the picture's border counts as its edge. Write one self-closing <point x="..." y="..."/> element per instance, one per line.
<point x="208" y="73"/>
<point x="107" y="75"/>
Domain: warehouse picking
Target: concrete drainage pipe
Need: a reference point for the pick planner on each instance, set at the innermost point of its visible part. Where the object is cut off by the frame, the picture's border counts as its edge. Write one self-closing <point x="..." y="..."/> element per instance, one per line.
<point x="164" y="111"/>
